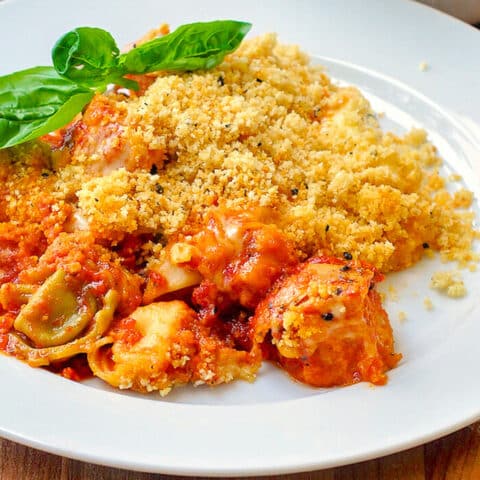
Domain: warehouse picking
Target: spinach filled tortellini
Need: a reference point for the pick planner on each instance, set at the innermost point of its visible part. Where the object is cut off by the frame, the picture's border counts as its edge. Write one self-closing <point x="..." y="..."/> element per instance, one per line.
<point x="66" y="303"/>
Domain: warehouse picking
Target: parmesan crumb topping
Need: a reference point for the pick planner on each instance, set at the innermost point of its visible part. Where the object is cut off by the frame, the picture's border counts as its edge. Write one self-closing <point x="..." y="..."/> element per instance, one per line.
<point x="265" y="128"/>
<point x="449" y="282"/>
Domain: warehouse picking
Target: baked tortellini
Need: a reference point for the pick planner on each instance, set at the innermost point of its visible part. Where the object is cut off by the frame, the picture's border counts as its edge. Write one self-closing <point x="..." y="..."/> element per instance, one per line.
<point x="161" y="345"/>
<point x="64" y="304"/>
<point x="206" y="308"/>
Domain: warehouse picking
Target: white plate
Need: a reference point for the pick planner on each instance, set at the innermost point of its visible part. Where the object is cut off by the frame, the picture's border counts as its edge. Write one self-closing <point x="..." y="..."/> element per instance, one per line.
<point x="276" y="425"/>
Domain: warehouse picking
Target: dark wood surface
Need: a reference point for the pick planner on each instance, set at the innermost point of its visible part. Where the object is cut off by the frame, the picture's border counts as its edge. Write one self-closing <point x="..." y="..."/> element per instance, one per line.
<point x="455" y="457"/>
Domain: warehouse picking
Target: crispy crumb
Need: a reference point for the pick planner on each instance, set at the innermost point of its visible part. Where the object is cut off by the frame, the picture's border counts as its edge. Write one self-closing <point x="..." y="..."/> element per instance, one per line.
<point x="450" y="283"/>
<point x="462" y="198"/>
<point x="392" y="293"/>
<point x="165" y="391"/>
<point x="427" y="303"/>
<point x="454" y="177"/>
<point x="429" y="253"/>
<point x="423" y="66"/>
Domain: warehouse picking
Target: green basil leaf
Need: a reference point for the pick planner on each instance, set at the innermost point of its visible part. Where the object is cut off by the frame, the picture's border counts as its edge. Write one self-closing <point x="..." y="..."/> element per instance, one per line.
<point x="201" y="45"/>
<point x="87" y="55"/>
<point x="37" y="101"/>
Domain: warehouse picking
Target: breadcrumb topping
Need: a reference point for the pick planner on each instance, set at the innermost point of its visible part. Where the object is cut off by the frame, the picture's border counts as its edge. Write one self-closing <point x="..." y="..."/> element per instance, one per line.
<point x="265" y="128"/>
<point x="276" y="132"/>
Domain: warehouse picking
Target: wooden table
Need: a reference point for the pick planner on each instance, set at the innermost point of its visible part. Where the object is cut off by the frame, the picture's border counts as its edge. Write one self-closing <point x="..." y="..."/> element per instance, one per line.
<point x="455" y="457"/>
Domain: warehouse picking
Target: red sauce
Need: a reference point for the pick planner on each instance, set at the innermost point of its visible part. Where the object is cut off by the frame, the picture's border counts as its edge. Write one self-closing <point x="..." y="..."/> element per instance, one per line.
<point x="75" y="368"/>
<point x="126" y="331"/>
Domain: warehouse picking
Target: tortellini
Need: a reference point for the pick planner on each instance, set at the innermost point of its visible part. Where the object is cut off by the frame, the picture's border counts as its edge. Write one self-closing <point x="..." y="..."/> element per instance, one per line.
<point x="160" y="356"/>
<point x="56" y="314"/>
<point x="93" y="338"/>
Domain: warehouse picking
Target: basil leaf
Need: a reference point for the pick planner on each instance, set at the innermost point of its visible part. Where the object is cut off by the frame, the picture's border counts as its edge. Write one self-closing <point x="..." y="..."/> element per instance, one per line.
<point x="87" y="55"/>
<point x="201" y="45"/>
<point x="37" y="101"/>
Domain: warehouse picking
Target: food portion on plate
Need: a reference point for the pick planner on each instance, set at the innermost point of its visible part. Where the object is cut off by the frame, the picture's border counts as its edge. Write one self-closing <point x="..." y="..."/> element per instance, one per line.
<point x="214" y="208"/>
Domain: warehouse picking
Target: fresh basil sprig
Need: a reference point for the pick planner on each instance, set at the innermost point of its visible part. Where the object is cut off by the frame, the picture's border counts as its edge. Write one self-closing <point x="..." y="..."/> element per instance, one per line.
<point x="36" y="101"/>
<point x="86" y="55"/>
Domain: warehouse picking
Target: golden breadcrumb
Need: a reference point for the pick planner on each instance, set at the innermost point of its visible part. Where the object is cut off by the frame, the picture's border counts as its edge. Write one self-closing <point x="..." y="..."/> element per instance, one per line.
<point x="450" y="283"/>
<point x="427" y="303"/>
<point x="265" y="128"/>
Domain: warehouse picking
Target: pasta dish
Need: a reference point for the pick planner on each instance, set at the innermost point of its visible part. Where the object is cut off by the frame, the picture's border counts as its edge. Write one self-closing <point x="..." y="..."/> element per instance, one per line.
<point x="211" y="220"/>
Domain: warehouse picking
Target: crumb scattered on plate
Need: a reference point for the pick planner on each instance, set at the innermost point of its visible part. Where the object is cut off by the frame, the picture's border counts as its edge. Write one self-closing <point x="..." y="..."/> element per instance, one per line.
<point x="427" y="303"/>
<point x="450" y="283"/>
<point x="423" y="66"/>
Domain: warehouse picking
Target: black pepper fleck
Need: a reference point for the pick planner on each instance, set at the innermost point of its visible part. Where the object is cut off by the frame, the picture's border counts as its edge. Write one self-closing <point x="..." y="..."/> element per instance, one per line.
<point x="221" y="81"/>
<point x="259" y="80"/>
<point x="347" y="255"/>
<point x="158" y="188"/>
<point x="425" y="245"/>
<point x="153" y="170"/>
<point x="294" y="191"/>
<point x="259" y="144"/>
<point x="339" y="291"/>
<point x="345" y="268"/>
<point x="327" y="316"/>
<point x="327" y="228"/>
<point x="45" y="174"/>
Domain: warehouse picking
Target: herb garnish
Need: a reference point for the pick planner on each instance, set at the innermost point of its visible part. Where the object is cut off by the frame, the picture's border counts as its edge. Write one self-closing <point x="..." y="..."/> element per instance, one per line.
<point x="86" y="60"/>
